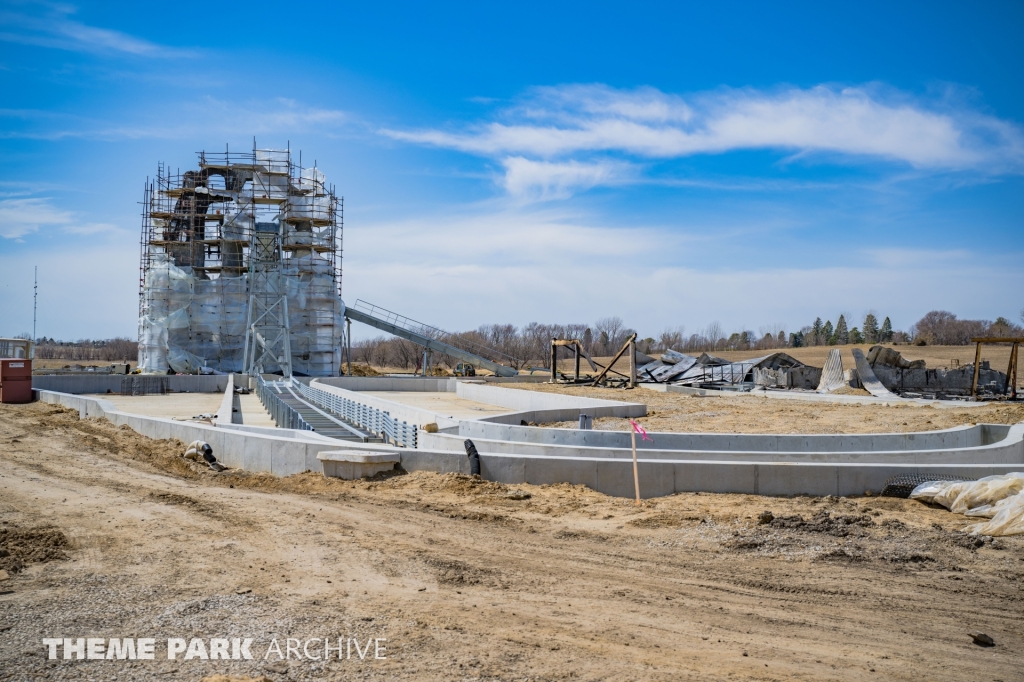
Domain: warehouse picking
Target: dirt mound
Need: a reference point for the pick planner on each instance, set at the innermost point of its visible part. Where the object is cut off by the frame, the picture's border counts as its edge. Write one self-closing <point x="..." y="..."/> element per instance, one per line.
<point x="364" y="371"/>
<point x="21" y="547"/>
<point x="460" y="485"/>
<point x="840" y="525"/>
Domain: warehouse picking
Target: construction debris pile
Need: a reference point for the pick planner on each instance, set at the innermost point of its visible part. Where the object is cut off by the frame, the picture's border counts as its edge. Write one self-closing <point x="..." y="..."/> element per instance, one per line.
<point x="777" y="370"/>
<point x="914" y="380"/>
<point x="882" y="371"/>
<point x="241" y="266"/>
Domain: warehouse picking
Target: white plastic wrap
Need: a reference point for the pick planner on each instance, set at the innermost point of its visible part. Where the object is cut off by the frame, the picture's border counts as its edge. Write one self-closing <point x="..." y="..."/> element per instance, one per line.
<point x="312" y="180"/>
<point x="1009" y="520"/>
<point x="311" y="208"/>
<point x="1000" y="498"/>
<point x="183" y="362"/>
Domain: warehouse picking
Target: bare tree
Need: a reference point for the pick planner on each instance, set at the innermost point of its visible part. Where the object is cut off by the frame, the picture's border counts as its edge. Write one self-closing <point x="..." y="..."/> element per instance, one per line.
<point x="671" y="339"/>
<point x="714" y="336"/>
<point x="609" y="330"/>
<point x="941" y="327"/>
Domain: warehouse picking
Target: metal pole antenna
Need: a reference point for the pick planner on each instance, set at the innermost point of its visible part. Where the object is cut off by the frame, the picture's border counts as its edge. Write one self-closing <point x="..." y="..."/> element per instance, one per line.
<point x="35" y="301"/>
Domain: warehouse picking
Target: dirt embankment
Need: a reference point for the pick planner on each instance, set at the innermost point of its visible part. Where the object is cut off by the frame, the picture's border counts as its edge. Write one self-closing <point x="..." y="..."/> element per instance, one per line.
<point x="469" y="579"/>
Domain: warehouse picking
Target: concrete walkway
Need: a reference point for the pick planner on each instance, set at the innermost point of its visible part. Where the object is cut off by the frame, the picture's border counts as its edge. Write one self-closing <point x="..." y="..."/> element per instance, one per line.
<point x="253" y="412"/>
<point x="444" y="404"/>
<point x="169" y="406"/>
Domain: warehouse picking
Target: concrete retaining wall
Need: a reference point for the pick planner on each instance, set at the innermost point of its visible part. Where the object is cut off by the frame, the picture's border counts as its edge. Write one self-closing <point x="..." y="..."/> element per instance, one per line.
<point x="665" y="477"/>
<point x="1006" y="451"/>
<point x="227" y="403"/>
<point x="538" y="406"/>
<point x="281" y="456"/>
<point x="956" y="437"/>
<point x="102" y="383"/>
<point x="424" y="384"/>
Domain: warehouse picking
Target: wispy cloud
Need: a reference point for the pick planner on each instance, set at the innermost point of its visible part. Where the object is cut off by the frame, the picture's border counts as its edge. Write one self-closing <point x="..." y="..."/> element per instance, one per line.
<point x="20" y="217"/>
<point x="206" y="116"/>
<point x="54" y="28"/>
<point x="556" y="124"/>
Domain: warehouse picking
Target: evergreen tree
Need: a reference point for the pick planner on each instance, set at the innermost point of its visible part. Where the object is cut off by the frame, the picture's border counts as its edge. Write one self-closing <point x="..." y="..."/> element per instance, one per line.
<point x="796" y="340"/>
<point x="885" y="333"/>
<point x="842" y="332"/>
<point x="782" y="339"/>
<point x="870" y="329"/>
<point x="856" y="336"/>
<point x="826" y="334"/>
<point x="817" y="333"/>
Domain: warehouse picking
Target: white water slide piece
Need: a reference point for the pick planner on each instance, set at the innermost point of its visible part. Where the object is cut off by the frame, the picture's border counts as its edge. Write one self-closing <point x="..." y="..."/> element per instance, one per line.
<point x="832" y="373"/>
<point x="868" y="378"/>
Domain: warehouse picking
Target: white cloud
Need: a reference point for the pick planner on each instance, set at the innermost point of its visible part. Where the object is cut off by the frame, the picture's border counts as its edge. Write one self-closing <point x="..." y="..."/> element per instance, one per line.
<point x="198" y="119"/>
<point x="56" y="30"/>
<point x="557" y="266"/>
<point x="541" y="180"/>
<point x="20" y="217"/>
<point x="555" y="124"/>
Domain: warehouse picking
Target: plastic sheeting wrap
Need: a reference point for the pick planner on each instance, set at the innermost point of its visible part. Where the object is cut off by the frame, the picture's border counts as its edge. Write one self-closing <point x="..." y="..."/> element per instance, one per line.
<point x="191" y="324"/>
<point x="1008" y="520"/>
<point x="1000" y="498"/>
<point x="309" y="208"/>
<point x="315" y="314"/>
<point x="183" y="362"/>
<point x="312" y="180"/>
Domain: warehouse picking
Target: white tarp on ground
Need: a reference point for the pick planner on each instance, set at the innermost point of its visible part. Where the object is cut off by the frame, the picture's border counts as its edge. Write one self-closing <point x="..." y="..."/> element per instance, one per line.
<point x="998" y="498"/>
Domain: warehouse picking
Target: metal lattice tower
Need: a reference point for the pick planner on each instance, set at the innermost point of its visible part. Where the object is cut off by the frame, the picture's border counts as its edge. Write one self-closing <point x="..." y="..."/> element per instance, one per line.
<point x="267" y="336"/>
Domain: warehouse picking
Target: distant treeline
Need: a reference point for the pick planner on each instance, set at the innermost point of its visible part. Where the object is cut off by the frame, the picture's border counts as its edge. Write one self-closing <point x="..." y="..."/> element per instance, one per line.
<point x="88" y="350"/>
<point x="528" y="346"/>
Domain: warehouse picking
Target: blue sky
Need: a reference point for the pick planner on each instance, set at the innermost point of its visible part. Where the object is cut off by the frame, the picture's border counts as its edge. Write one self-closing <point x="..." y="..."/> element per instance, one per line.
<point x="674" y="165"/>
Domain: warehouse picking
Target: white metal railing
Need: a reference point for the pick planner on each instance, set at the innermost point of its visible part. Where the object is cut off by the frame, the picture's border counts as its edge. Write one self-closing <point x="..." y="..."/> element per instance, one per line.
<point x="281" y="412"/>
<point x="455" y="340"/>
<point x="364" y="416"/>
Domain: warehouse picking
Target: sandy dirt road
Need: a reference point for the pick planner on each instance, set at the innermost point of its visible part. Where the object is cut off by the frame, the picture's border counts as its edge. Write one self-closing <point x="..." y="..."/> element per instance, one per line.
<point x="473" y="580"/>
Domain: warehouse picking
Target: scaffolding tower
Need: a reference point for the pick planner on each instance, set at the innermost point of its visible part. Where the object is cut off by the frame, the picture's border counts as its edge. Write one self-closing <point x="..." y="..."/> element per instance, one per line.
<point x="240" y="267"/>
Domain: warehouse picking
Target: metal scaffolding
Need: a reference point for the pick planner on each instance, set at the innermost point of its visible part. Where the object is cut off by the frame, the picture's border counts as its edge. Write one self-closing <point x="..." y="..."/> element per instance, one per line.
<point x="241" y="255"/>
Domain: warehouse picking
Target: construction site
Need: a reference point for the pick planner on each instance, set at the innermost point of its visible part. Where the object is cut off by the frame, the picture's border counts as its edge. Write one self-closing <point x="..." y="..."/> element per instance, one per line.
<point x="852" y="512"/>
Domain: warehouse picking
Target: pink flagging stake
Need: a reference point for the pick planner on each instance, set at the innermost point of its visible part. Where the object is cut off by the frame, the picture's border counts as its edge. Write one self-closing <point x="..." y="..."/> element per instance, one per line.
<point x="641" y="430"/>
<point x="636" y="474"/>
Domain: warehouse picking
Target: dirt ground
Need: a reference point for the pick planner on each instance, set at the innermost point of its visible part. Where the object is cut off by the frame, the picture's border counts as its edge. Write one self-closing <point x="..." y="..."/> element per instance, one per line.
<point x="109" y="534"/>
<point x="750" y="414"/>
